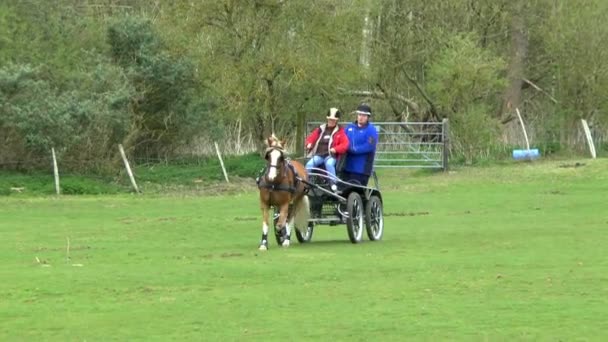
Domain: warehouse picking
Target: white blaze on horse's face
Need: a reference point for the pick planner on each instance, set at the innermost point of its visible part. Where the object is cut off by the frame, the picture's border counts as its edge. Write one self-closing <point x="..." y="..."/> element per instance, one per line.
<point x="274" y="163"/>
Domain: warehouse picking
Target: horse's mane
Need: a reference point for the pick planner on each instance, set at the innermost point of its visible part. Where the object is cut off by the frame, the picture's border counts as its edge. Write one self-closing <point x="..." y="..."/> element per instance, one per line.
<point x="275" y="143"/>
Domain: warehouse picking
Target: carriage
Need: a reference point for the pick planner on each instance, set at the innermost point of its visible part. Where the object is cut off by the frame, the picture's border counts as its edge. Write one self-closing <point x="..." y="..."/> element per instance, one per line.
<point x="354" y="205"/>
<point x="303" y="199"/>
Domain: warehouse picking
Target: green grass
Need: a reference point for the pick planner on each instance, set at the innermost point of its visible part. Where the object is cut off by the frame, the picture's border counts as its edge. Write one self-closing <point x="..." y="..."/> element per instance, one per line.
<point x="515" y="252"/>
<point x="206" y="170"/>
<point x="39" y="184"/>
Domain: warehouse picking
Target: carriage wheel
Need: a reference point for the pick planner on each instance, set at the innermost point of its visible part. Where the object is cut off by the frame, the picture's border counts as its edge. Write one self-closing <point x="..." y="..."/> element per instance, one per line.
<point x="354" y="221"/>
<point x="306" y="235"/>
<point x="374" y="219"/>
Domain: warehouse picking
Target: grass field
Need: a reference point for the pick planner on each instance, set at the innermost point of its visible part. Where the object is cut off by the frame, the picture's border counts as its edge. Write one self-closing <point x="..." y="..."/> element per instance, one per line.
<point x="510" y="252"/>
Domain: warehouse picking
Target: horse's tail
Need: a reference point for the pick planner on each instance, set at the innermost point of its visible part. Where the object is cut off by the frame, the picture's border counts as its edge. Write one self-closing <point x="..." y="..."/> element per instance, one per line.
<point x="302" y="213"/>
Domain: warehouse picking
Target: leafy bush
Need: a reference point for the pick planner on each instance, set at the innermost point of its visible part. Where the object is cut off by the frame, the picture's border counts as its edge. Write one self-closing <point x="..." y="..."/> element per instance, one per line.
<point x="471" y="131"/>
<point x="143" y="97"/>
<point x="84" y="122"/>
<point x="466" y="80"/>
<point x="167" y="107"/>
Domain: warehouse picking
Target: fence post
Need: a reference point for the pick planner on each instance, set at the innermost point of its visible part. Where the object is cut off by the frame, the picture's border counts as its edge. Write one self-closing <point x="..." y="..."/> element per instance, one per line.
<point x="55" y="172"/>
<point x="446" y="143"/>
<point x="219" y="156"/>
<point x="589" y="138"/>
<point x="124" y="159"/>
<point x="523" y="128"/>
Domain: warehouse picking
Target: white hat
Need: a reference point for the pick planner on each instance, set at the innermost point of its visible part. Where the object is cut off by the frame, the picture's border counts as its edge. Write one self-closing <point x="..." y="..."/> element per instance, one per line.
<point x="334" y="114"/>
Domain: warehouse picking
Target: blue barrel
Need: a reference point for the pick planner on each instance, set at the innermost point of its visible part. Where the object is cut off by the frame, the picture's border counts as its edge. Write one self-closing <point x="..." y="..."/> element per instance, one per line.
<point x="526" y="154"/>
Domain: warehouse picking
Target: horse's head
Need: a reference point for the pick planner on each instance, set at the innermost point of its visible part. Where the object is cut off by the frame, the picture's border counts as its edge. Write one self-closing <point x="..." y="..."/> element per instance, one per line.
<point x="275" y="158"/>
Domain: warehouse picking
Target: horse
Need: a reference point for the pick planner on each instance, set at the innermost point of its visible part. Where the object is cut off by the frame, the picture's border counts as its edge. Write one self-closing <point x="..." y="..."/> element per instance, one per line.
<point x="280" y="186"/>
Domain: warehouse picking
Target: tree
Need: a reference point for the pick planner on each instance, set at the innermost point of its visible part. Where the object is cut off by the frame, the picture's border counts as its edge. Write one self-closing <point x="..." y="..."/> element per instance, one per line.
<point x="164" y="106"/>
<point x="272" y="60"/>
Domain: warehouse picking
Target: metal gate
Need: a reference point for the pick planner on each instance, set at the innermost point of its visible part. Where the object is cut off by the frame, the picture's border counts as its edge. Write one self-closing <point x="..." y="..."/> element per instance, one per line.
<point x="409" y="144"/>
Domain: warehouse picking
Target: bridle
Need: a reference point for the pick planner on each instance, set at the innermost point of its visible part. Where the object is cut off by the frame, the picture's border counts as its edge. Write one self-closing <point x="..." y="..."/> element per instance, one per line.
<point x="280" y="160"/>
<point x="281" y="168"/>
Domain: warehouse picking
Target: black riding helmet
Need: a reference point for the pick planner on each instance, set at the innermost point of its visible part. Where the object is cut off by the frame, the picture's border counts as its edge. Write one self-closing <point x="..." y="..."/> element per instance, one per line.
<point x="364" y="109"/>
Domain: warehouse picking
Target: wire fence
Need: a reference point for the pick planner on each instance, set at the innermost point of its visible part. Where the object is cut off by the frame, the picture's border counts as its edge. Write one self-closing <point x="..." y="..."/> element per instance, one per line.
<point x="181" y="172"/>
<point x="401" y="145"/>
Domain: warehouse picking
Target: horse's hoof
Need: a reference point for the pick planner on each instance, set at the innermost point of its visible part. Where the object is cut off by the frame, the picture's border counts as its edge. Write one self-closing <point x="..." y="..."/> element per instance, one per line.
<point x="263" y="248"/>
<point x="285" y="243"/>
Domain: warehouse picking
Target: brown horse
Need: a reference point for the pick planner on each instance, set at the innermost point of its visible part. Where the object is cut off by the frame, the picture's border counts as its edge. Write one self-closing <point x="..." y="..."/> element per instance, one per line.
<point x="280" y="186"/>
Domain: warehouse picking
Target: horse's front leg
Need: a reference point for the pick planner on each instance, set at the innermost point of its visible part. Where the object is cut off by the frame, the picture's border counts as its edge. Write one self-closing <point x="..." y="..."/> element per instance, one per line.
<point x="285" y="230"/>
<point x="264" y="241"/>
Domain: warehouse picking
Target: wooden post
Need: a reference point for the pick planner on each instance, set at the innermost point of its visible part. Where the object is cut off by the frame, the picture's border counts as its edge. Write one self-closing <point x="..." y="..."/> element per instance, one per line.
<point x="589" y="139"/>
<point x="217" y="149"/>
<point x="523" y="128"/>
<point x="446" y="143"/>
<point x="238" y="137"/>
<point x="56" y="172"/>
<point x="124" y="159"/>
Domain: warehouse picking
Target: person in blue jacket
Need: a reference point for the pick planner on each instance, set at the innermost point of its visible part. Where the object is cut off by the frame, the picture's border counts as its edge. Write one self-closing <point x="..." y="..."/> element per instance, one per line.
<point x="363" y="138"/>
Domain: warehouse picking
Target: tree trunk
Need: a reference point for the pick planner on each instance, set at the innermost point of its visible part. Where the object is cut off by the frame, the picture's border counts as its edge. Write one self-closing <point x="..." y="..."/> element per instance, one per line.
<point x="515" y="72"/>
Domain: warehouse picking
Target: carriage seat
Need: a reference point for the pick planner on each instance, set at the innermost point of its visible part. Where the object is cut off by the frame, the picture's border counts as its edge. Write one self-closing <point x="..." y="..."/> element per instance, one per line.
<point x="339" y="167"/>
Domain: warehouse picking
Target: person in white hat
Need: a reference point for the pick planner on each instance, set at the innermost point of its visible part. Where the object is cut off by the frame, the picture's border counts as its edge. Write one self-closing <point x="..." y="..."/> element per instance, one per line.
<point x="326" y="143"/>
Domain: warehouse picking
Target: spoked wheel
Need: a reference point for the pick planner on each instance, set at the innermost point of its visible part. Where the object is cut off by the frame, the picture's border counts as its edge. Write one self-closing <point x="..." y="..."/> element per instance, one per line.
<point x="374" y="219"/>
<point x="306" y="235"/>
<point x="354" y="221"/>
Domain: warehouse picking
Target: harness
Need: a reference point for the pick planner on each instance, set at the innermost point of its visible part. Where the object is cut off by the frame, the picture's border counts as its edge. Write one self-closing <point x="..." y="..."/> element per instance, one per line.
<point x="261" y="182"/>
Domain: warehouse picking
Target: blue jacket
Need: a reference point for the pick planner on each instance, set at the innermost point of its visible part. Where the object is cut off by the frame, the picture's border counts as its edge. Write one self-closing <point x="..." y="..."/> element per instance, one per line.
<point x="361" y="149"/>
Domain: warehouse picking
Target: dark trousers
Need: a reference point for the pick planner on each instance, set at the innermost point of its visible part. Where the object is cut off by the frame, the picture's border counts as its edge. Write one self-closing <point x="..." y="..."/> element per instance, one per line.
<point x="356" y="178"/>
